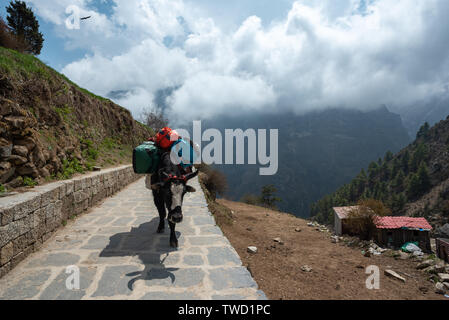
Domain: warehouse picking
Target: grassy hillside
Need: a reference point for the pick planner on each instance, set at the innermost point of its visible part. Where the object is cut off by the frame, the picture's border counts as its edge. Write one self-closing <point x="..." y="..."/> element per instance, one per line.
<point x="50" y="128"/>
<point x="413" y="182"/>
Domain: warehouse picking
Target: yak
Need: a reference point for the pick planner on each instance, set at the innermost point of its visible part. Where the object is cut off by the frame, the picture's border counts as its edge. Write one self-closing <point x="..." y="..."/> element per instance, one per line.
<point x="169" y="185"/>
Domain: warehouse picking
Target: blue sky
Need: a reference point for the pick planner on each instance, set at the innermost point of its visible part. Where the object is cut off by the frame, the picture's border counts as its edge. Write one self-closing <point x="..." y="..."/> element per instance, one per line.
<point x="211" y="57"/>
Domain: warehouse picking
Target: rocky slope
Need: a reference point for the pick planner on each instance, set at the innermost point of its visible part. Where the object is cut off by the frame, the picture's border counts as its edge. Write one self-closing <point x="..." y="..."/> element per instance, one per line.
<point x="50" y="128"/>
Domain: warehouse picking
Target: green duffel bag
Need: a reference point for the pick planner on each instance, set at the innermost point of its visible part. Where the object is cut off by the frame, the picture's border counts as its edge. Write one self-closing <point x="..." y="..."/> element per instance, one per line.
<point x="145" y="158"/>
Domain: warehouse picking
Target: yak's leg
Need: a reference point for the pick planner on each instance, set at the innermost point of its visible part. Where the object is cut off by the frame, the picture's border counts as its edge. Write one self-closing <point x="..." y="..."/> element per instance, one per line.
<point x="173" y="239"/>
<point x="159" y="203"/>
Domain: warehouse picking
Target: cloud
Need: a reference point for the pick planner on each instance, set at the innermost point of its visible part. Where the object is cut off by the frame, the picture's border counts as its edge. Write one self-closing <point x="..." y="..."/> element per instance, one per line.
<point x="357" y="54"/>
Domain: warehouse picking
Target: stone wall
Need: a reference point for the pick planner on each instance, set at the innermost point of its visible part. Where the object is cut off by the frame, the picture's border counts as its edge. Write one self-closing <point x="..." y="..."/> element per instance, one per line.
<point x="28" y="219"/>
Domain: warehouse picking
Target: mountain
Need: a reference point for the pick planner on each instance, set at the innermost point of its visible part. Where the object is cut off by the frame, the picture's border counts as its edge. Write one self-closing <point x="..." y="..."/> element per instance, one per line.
<point x="317" y="152"/>
<point x="414" y="182"/>
<point x="431" y="111"/>
<point x="50" y="128"/>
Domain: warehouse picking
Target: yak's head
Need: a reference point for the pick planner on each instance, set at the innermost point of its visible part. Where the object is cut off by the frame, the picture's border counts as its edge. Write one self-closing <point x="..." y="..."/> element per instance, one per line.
<point x="172" y="187"/>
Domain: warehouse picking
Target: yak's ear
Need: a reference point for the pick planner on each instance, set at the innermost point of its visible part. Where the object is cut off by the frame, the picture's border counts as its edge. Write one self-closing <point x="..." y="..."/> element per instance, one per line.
<point x="190" y="189"/>
<point x="156" y="186"/>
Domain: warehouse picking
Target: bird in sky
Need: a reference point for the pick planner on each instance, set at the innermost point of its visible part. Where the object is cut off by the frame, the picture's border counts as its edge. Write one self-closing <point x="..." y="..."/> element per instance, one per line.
<point x="85" y="18"/>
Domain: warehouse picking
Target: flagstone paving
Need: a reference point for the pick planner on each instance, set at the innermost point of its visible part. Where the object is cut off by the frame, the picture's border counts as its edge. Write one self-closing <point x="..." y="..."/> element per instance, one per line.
<point x="119" y="255"/>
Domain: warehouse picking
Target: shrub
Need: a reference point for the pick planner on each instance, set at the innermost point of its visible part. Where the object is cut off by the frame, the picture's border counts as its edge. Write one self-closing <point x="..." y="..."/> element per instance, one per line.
<point x="267" y="198"/>
<point x="360" y="221"/>
<point x="29" y="182"/>
<point x="9" y="40"/>
<point x="250" y="199"/>
<point x="215" y="181"/>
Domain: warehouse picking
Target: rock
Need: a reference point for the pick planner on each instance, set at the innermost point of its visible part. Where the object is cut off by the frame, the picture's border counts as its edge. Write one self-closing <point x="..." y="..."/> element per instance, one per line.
<point x="423" y="290"/>
<point x="334" y="239"/>
<point x="252" y="249"/>
<point x="404" y="256"/>
<point x="310" y="224"/>
<point x="249" y="229"/>
<point x="44" y="172"/>
<point x="15" y="183"/>
<point x="28" y="142"/>
<point x="440" y="288"/>
<point x="298" y="230"/>
<point x="446" y="284"/>
<point x="425" y="264"/>
<point x="306" y="268"/>
<point x="7" y="174"/>
<point x="394" y="275"/>
<point x="440" y="268"/>
<point x="28" y="170"/>
<point x="20" y="151"/>
<point x="443" y="231"/>
<point x="444" y="277"/>
<point x="17" y="160"/>
<point x="435" y="269"/>
<point x="278" y="240"/>
<point x="5" y="165"/>
<point x="5" y="107"/>
<point x="16" y="122"/>
<point x="5" y="150"/>
<point x="99" y="169"/>
<point x="366" y="253"/>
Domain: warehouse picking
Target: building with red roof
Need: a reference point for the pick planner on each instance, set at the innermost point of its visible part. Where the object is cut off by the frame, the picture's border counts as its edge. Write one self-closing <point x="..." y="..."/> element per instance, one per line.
<point x="396" y="231"/>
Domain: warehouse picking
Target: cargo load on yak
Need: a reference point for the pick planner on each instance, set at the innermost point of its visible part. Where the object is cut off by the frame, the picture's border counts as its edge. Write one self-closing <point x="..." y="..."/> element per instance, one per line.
<point x="146" y="156"/>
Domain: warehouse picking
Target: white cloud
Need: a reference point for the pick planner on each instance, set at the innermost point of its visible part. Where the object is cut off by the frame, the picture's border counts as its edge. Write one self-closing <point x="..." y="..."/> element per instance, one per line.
<point x="319" y="55"/>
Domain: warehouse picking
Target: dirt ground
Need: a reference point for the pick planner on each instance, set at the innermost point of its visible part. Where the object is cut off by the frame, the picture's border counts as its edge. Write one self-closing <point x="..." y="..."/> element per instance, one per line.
<point x="338" y="271"/>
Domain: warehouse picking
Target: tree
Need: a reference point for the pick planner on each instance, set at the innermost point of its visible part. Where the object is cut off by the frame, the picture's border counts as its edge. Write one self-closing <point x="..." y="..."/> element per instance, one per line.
<point x="154" y="118"/>
<point x="419" y="156"/>
<point x="361" y="219"/>
<point x="424" y="179"/>
<point x="388" y="156"/>
<point x="9" y="40"/>
<point x="24" y="25"/>
<point x="423" y="131"/>
<point x="413" y="189"/>
<point x="267" y="197"/>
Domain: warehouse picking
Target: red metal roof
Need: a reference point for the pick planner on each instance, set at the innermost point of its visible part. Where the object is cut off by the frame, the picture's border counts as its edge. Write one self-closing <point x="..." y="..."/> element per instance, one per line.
<point x="402" y="222"/>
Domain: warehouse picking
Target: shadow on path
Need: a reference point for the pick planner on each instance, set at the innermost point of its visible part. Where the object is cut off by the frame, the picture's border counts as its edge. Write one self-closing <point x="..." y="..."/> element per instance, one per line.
<point x="149" y="246"/>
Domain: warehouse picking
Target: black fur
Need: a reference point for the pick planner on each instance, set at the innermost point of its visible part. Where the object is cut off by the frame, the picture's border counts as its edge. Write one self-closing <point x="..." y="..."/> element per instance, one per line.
<point x="162" y="194"/>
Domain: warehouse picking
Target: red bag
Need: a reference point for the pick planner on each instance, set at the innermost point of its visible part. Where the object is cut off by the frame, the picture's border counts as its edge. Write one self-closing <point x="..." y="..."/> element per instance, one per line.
<point x="166" y="137"/>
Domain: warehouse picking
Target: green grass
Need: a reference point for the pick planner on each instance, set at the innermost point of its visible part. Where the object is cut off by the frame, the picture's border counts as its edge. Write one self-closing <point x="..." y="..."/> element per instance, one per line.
<point x="2" y="189"/>
<point x="29" y="182"/>
<point x="64" y="112"/>
<point x="19" y="65"/>
<point x="69" y="168"/>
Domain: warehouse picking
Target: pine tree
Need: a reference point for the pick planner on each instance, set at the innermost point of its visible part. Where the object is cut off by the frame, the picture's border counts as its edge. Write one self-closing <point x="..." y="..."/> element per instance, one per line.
<point x="267" y="197"/>
<point x="399" y="180"/>
<point x="423" y="131"/>
<point x="424" y="179"/>
<point x="404" y="161"/>
<point x="414" y="187"/>
<point x="25" y="26"/>
<point x="388" y="156"/>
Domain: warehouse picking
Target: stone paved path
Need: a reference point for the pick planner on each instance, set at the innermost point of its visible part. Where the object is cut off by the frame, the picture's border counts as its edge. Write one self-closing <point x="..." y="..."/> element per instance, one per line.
<point x="119" y="255"/>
